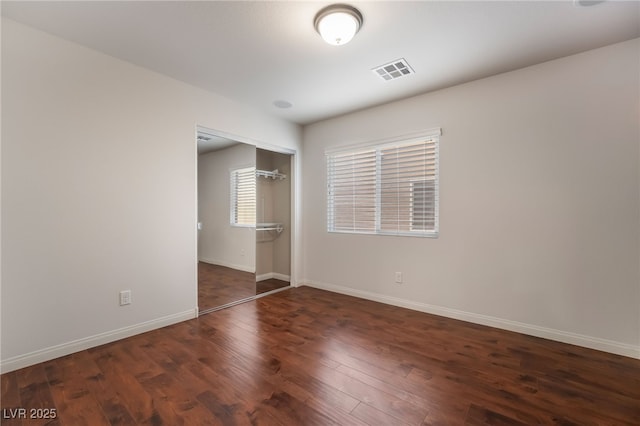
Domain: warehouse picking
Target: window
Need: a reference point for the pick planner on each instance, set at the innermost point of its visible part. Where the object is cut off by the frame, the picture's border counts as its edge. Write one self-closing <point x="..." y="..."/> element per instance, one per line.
<point x="243" y="197"/>
<point x="389" y="188"/>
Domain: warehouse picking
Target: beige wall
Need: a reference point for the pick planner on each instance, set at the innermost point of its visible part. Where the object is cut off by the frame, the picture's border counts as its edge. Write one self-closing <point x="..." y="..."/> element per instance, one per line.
<point x="539" y="205"/>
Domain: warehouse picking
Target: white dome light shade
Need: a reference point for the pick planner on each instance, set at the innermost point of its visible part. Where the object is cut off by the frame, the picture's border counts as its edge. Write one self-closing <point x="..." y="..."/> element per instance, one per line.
<point x="338" y="23"/>
<point x="338" y="28"/>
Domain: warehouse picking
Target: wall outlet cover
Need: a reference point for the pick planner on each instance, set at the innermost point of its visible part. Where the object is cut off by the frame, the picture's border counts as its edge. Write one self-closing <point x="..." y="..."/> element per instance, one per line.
<point x="125" y="297"/>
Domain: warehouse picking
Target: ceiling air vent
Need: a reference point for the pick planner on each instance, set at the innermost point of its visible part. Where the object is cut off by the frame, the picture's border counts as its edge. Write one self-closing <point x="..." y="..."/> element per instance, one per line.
<point x="203" y="138"/>
<point x="393" y="70"/>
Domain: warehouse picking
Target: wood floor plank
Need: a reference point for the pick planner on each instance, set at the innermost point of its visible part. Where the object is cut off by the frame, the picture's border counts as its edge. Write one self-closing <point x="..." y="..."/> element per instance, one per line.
<point x="35" y="394"/>
<point x="360" y="359"/>
<point x="10" y="398"/>
<point x="177" y="407"/>
<point x="115" y="370"/>
<point x="298" y="372"/>
<point x="482" y="416"/>
<point x="374" y="417"/>
<point x="221" y="391"/>
<point x="307" y="391"/>
<point x="195" y="369"/>
<point x="290" y="411"/>
<point x="71" y="393"/>
<point x="306" y="356"/>
<point x="231" y="414"/>
<point x="112" y="404"/>
<point x="392" y="389"/>
<point x="383" y="401"/>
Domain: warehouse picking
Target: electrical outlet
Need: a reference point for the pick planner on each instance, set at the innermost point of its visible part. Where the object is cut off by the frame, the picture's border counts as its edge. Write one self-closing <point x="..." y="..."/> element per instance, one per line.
<point x="398" y="277"/>
<point x="241" y="252"/>
<point x="125" y="297"/>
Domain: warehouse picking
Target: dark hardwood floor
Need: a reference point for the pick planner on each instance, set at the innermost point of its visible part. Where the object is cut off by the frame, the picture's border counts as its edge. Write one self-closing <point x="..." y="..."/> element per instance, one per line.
<point x="219" y="285"/>
<point x="310" y="357"/>
<point x="269" y="285"/>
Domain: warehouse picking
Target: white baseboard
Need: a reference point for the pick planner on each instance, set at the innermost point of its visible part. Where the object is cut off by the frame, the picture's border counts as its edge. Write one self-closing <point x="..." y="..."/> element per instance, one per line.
<point x="57" y="351"/>
<point x="529" y="329"/>
<point x="277" y="276"/>
<point x="243" y="268"/>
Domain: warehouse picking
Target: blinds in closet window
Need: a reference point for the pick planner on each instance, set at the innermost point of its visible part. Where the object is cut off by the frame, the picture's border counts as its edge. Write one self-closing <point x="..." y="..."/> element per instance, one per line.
<point x="243" y="196"/>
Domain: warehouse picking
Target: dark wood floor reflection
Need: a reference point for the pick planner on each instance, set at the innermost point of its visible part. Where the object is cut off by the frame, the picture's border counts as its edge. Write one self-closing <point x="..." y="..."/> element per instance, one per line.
<point x="310" y="357"/>
<point x="219" y="285"/>
<point x="270" y="284"/>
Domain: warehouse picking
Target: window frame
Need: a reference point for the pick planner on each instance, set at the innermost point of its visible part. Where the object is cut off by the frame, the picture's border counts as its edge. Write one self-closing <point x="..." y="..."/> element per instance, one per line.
<point x="379" y="147"/>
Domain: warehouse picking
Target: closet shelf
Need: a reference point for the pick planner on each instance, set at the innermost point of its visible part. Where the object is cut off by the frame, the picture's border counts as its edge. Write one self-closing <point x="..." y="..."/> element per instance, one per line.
<point x="274" y="174"/>
<point x="270" y="226"/>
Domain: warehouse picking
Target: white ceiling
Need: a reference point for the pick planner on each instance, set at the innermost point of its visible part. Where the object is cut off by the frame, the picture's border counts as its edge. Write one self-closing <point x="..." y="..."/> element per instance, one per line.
<point x="257" y="52"/>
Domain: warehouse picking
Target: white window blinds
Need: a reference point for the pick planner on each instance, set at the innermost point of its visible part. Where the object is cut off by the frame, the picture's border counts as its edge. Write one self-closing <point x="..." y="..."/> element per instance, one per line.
<point x="243" y="196"/>
<point x="384" y="189"/>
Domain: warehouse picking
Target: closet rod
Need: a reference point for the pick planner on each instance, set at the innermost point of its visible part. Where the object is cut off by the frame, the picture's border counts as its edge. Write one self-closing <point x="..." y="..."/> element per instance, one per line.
<point x="270" y="227"/>
<point x="274" y="174"/>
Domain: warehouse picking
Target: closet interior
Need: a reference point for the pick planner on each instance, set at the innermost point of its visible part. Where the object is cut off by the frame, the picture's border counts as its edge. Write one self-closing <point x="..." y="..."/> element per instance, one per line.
<point x="273" y="228"/>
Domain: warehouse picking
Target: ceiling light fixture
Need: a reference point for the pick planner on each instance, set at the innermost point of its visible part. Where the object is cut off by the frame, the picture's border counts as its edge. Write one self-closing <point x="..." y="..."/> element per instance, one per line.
<point x="338" y="23"/>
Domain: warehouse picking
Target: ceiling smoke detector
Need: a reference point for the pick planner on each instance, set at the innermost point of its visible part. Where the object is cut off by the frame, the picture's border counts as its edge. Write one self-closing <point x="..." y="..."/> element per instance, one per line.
<point x="393" y="70"/>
